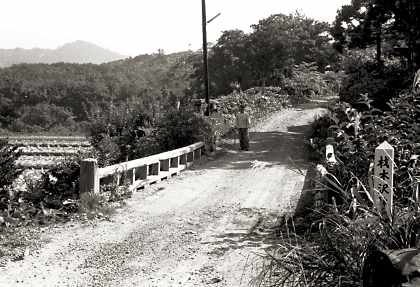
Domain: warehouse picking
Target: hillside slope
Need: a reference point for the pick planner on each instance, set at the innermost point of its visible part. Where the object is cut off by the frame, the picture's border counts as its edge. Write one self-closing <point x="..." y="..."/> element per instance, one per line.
<point x="42" y="97"/>
<point x="74" y="52"/>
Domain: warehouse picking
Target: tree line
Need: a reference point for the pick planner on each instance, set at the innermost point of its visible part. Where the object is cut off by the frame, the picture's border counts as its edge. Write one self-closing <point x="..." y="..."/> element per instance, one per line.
<point x="373" y="40"/>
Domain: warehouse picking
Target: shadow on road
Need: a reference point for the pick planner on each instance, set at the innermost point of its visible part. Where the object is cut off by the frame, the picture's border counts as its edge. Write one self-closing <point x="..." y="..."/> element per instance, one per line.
<point x="273" y="148"/>
<point x="269" y="148"/>
<point x="260" y="232"/>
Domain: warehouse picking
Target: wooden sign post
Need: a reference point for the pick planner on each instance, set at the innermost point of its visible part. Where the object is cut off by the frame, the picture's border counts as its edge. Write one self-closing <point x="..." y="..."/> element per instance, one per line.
<point x="383" y="178"/>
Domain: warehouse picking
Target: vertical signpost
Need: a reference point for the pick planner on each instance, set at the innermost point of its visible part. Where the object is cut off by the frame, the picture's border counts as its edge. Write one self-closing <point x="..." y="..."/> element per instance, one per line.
<point x="383" y="178"/>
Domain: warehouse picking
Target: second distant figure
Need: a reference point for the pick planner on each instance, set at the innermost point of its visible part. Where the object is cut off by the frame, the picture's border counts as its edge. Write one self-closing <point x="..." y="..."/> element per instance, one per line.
<point x="242" y="124"/>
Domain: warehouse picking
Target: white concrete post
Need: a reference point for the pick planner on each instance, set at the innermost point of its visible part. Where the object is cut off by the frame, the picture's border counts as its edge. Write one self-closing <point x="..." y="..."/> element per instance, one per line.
<point x="197" y="154"/>
<point x="89" y="176"/>
<point x="329" y="154"/>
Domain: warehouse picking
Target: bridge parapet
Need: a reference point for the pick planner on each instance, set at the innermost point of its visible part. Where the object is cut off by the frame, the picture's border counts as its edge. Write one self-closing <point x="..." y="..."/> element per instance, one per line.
<point x="139" y="172"/>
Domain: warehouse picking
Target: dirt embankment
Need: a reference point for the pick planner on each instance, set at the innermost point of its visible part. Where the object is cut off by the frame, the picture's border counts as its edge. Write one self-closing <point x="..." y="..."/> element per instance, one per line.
<point x="204" y="227"/>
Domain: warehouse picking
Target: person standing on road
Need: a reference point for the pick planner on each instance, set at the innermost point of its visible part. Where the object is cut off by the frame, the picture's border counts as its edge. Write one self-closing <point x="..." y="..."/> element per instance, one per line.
<point x="242" y="125"/>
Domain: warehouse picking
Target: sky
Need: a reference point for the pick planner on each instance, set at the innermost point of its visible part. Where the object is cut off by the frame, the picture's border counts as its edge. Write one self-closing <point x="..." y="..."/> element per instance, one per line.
<point x="134" y="27"/>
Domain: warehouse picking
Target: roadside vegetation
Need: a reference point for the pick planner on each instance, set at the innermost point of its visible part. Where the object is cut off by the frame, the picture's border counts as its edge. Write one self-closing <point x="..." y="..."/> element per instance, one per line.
<point x="127" y="108"/>
<point x="342" y="239"/>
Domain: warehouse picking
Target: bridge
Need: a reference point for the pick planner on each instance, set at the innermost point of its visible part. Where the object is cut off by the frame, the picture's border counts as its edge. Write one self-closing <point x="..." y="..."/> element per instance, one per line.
<point x="140" y="172"/>
<point x="205" y="226"/>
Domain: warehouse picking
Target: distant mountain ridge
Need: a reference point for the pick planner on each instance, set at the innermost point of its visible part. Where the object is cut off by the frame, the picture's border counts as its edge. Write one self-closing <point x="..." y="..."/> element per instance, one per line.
<point x="74" y="52"/>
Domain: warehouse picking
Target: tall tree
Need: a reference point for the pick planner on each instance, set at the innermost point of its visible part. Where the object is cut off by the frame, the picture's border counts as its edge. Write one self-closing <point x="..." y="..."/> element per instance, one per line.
<point x="266" y="55"/>
<point x="228" y="62"/>
<point x="280" y="41"/>
<point x="385" y="23"/>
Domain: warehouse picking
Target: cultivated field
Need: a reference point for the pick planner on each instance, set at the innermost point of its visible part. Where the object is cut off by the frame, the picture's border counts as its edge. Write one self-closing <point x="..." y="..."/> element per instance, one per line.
<point x="47" y="151"/>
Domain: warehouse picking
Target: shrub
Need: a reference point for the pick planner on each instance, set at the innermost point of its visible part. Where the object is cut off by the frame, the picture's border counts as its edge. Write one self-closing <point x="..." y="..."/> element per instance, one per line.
<point x="146" y="146"/>
<point x="94" y="204"/>
<point x="331" y="248"/>
<point x="398" y="126"/>
<point x="306" y="82"/>
<point x="259" y="101"/>
<point x="178" y="128"/>
<point x="364" y="76"/>
<point x="54" y="195"/>
<point x="8" y="170"/>
<point x="107" y="150"/>
<point x="60" y="183"/>
<point x="90" y="202"/>
<point x="330" y="245"/>
<point x="120" y="135"/>
<point x="112" y="132"/>
<point x="113" y="192"/>
<point x="45" y="117"/>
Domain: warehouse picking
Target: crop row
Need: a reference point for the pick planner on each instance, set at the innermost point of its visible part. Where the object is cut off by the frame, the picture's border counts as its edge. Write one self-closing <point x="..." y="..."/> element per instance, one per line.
<point x="39" y="161"/>
<point x="51" y="151"/>
<point x="49" y="144"/>
<point x="46" y="141"/>
<point x="44" y="138"/>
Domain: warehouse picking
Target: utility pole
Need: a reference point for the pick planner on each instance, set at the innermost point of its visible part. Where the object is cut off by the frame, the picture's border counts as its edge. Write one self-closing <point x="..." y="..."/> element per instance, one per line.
<point x="205" y="61"/>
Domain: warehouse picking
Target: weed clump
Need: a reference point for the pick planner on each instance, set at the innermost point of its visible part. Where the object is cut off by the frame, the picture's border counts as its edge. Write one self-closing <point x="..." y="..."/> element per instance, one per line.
<point x="339" y="238"/>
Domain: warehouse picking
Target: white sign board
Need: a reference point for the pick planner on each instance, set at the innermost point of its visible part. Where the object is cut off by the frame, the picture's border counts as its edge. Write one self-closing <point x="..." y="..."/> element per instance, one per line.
<point x="383" y="178"/>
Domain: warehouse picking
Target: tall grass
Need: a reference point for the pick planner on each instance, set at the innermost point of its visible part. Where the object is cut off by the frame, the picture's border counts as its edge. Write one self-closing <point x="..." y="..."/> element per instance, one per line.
<point x="329" y="247"/>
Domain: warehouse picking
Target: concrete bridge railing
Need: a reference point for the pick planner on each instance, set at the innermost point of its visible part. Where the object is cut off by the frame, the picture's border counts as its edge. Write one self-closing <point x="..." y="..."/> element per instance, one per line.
<point x="139" y="172"/>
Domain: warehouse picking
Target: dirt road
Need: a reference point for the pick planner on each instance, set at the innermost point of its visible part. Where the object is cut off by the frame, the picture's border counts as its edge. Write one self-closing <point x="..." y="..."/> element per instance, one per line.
<point x="204" y="227"/>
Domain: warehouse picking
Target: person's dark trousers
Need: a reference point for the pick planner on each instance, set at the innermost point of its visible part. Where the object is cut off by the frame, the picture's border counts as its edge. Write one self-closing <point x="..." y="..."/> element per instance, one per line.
<point x="243" y="138"/>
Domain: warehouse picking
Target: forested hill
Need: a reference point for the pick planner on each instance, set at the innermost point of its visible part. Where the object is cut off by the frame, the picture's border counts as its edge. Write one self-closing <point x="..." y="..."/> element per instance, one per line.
<point x="299" y="55"/>
<point x="75" y="52"/>
<point x="40" y="97"/>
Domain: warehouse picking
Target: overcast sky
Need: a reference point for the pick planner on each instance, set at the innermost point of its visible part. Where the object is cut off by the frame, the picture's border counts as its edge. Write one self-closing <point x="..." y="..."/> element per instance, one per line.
<point x="133" y="27"/>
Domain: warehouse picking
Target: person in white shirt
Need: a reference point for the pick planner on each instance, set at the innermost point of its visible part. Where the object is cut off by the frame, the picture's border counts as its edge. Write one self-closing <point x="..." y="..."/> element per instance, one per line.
<point x="242" y="124"/>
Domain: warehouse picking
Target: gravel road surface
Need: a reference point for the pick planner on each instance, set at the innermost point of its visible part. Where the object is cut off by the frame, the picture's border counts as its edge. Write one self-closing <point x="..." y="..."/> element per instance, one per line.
<point x="205" y="227"/>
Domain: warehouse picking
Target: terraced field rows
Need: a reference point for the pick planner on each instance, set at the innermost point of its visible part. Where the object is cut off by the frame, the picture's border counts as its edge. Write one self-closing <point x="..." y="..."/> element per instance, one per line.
<point x="47" y="151"/>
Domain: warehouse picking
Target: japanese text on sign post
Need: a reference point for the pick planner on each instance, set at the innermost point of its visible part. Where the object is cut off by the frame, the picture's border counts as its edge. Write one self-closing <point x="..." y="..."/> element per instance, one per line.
<point x="383" y="177"/>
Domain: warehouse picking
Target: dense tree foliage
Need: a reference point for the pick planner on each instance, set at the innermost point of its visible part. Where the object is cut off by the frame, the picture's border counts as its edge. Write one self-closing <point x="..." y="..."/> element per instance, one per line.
<point x="266" y="56"/>
<point x="379" y="41"/>
<point x="63" y="98"/>
<point x="276" y="52"/>
<point x="392" y="26"/>
<point x="41" y="97"/>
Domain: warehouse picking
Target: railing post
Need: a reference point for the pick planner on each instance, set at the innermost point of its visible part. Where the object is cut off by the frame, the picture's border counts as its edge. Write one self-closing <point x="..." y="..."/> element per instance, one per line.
<point x="154" y="168"/>
<point x="89" y="176"/>
<point x="174" y="162"/>
<point x="197" y="154"/>
<point x="118" y="177"/>
<point x="164" y="165"/>
<point x="190" y="157"/>
<point x="183" y="159"/>
<point x="141" y="172"/>
<point x="128" y="176"/>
